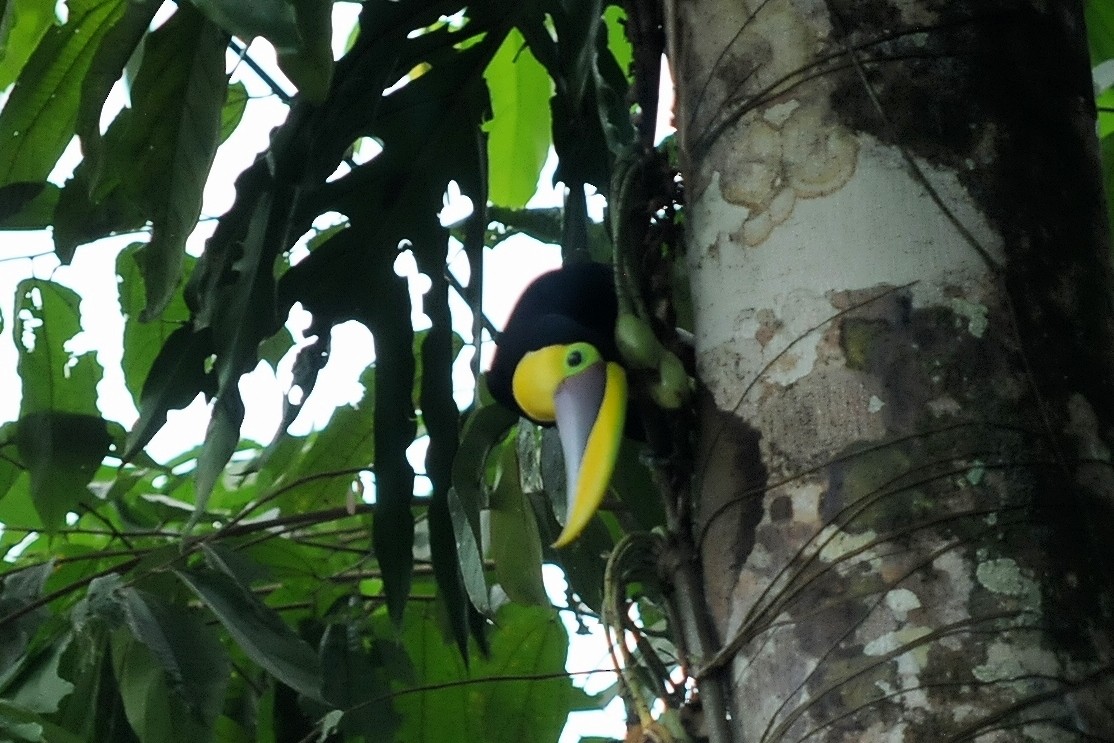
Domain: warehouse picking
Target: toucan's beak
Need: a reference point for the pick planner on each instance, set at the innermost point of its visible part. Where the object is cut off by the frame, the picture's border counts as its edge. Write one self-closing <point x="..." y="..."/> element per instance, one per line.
<point x="588" y="402"/>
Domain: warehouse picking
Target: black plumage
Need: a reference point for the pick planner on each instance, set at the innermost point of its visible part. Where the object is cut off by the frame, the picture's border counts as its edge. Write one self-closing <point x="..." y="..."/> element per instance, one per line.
<point x="571" y="304"/>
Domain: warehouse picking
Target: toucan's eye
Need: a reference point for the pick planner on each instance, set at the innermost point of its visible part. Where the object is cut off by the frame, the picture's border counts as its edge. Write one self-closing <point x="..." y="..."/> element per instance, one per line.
<point x="579" y="356"/>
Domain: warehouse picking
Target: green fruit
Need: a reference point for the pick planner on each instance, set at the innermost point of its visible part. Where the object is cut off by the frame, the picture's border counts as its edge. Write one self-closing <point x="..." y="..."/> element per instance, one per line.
<point x="673" y="387"/>
<point x="637" y="343"/>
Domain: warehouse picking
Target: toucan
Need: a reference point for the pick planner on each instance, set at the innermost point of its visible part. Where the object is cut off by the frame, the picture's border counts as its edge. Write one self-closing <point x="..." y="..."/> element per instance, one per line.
<point x="556" y="363"/>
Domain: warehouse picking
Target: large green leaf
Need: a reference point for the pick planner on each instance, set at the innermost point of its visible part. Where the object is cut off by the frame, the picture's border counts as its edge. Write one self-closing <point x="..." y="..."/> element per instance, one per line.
<point x="519" y="130"/>
<point x="28" y="205"/>
<point x="357" y="682"/>
<point x="18" y="591"/>
<point x="194" y="664"/>
<point x="310" y="64"/>
<point x="39" y="117"/>
<point x="177" y="375"/>
<point x="258" y="630"/>
<point x="117" y="47"/>
<point x="41" y="689"/>
<point x="516" y="545"/>
<point x="179" y="94"/>
<point x="1100" y="30"/>
<point x="347" y="442"/>
<point x="272" y="19"/>
<point x="144" y="340"/>
<point x="23" y="25"/>
<point x="47" y="318"/>
<point x="156" y="713"/>
<point x="481" y="703"/>
<point x="62" y="451"/>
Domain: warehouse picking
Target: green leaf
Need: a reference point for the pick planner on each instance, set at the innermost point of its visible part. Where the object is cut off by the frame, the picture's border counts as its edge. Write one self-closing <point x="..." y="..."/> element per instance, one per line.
<point x="39" y="118"/>
<point x="156" y="714"/>
<point x="177" y="376"/>
<point x="528" y="642"/>
<point x="532" y="642"/>
<point x="272" y="19"/>
<point x="23" y="25"/>
<point x="19" y="590"/>
<point x="19" y="724"/>
<point x="41" y="689"/>
<point x="178" y="95"/>
<point x="258" y="630"/>
<point x="143" y="341"/>
<point x="221" y="439"/>
<point x="516" y="545"/>
<point x="310" y="64"/>
<point x="1099" y="15"/>
<point x="357" y="683"/>
<point x="615" y="17"/>
<point x="194" y="663"/>
<point x="47" y="318"/>
<point x="62" y="452"/>
<point x="347" y="442"/>
<point x="232" y="113"/>
<point x="27" y="205"/>
<point x="112" y="55"/>
<point x="469" y="550"/>
<point x="393" y="526"/>
<point x="519" y="130"/>
<point x="483" y="430"/>
<point x="274" y="348"/>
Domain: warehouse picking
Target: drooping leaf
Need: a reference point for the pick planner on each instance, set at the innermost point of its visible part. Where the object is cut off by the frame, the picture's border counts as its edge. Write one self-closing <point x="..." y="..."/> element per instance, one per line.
<point x="39" y="117"/>
<point x="112" y="55"/>
<point x="194" y="664"/>
<point x="393" y="527"/>
<point x="528" y="642"/>
<point x="62" y="452"/>
<point x="310" y="64"/>
<point x="40" y="688"/>
<point x="27" y="205"/>
<point x="143" y="341"/>
<point x="177" y="375"/>
<point x="178" y="94"/>
<point x="155" y="712"/>
<point x="519" y="130"/>
<point x="516" y="546"/>
<point x="17" y="592"/>
<point x="346" y="443"/>
<point x="258" y="630"/>
<point x="22" y="25"/>
<point x="483" y="430"/>
<point x="232" y="113"/>
<point x="221" y="438"/>
<point x="469" y="551"/>
<point x="357" y="682"/>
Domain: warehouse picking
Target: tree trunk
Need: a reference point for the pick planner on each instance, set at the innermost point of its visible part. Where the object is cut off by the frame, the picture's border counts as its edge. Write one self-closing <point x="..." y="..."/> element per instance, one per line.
<point x="905" y="331"/>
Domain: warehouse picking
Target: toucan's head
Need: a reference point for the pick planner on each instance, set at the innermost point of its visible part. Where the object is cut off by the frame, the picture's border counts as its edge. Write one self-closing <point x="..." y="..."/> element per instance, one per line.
<point x="556" y="363"/>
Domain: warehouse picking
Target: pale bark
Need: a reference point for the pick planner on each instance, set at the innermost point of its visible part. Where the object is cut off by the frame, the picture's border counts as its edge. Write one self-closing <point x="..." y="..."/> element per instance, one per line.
<point x="904" y="327"/>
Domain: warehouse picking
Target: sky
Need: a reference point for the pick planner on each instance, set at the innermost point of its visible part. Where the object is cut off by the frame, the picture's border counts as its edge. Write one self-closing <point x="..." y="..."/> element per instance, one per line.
<point x="508" y="269"/>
